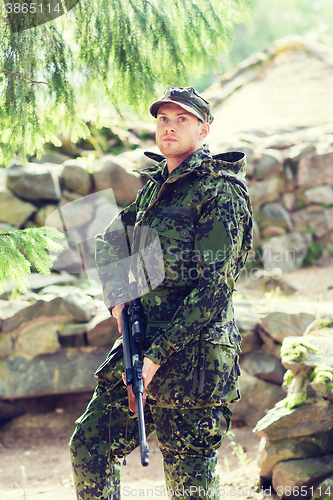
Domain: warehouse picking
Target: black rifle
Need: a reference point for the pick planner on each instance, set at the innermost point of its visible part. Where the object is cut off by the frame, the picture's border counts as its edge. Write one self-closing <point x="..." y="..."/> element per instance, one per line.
<point x="133" y="335"/>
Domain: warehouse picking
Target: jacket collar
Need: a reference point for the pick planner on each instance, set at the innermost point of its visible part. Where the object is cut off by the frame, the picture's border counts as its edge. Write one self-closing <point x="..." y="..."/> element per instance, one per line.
<point x="190" y="163"/>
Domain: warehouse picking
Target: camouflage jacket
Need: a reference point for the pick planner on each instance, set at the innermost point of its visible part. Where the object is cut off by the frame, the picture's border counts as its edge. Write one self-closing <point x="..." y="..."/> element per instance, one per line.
<point x="185" y="238"/>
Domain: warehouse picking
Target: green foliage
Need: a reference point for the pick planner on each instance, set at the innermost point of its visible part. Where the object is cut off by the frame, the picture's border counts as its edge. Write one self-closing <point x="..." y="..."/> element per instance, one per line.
<point x="238" y="450"/>
<point x="21" y="248"/>
<point x="121" y="51"/>
<point x="288" y="377"/>
<point x="296" y="350"/>
<point x="322" y="374"/>
<point x="314" y="253"/>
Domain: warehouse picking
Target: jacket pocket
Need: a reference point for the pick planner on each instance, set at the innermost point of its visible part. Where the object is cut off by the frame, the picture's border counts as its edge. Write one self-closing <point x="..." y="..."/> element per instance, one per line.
<point x="218" y="381"/>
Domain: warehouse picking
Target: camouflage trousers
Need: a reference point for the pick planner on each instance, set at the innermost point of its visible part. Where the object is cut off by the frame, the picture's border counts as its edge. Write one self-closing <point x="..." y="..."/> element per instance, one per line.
<point x="106" y="432"/>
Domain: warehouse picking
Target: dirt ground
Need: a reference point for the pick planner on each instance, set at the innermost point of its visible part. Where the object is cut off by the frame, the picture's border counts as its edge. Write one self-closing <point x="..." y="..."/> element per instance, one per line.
<point x="34" y="461"/>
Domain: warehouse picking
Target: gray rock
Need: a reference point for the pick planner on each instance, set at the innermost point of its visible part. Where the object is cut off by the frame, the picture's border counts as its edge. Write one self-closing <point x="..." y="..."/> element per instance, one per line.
<point x="34" y="182"/>
<point x="38" y="336"/>
<point x="117" y="174"/>
<point x="296" y="152"/>
<point x="12" y="313"/>
<point x="321" y="194"/>
<point x="250" y="341"/>
<point x="281" y="324"/>
<point x="282" y="423"/>
<point x="251" y="407"/>
<point x="72" y="334"/>
<point x="256" y="234"/>
<point x="264" y="366"/>
<point x="61" y="290"/>
<point x="269" y="164"/>
<point x="43" y="213"/>
<point x="327" y="241"/>
<point x="274" y="214"/>
<point x="102" y="330"/>
<point x="307" y="473"/>
<point x="271" y="346"/>
<point x="289" y="200"/>
<point x="315" y="170"/>
<point x="54" y="157"/>
<point x="273" y="452"/>
<point x="272" y="231"/>
<point x="38" y="281"/>
<point x="14" y="211"/>
<point x="68" y="260"/>
<point x="73" y="215"/>
<point x="74" y="306"/>
<point x="306" y="217"/>
<point x="76" y="178"/>
<point x="322" y="223"/>
<point x="262" y="279"/>
<point x="320" y="220"/>
<point x="286" y="252"/>
<point x="65" y="371"/>
<point x="265" y="191"/>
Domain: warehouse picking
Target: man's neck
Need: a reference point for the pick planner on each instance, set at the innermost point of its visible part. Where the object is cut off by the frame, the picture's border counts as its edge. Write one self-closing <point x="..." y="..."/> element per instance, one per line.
<point x="174" y="162"/>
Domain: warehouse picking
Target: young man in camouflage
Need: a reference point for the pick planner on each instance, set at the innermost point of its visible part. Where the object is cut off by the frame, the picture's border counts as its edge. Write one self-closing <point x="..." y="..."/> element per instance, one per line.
<point x="199" y="208"/>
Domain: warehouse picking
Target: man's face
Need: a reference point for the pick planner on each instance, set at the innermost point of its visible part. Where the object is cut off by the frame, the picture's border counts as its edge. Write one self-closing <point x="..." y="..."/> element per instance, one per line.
<point x="178" y="132"/>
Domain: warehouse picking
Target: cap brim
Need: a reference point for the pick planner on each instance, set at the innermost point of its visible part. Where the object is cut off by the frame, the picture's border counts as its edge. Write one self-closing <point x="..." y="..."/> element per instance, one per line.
<point x="156" y="106"/>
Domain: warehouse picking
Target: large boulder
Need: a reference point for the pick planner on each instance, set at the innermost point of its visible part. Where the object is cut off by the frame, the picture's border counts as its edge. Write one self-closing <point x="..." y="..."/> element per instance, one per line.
<point x="323" y="195"/>
<point x="315" y="170"/>
<point x="117" y="173"/>
<point x="274" y="214"/>
<point x="251" y="407"/>
<point x="13" y="210"/>
<point x="283" y="423"/>
<point x="299" y="478"/>
<point x="102" y="330"/>
<point x="269" y="164"/>
<point x="65" y="371"/>
<point x="76" y="178"/>
<point x="286" y="252"/>
<point x="73" y="306"/>
<point x="280" y="324"/>
<point x="264" y="191"/>
<point x="34" y="182"/>
<point x="264" y="366"/>
<point x="273" y="452"/>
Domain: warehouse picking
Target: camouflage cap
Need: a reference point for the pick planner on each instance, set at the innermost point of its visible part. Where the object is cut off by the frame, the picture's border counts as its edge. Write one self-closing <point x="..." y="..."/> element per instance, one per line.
<point x="186" y="97"/>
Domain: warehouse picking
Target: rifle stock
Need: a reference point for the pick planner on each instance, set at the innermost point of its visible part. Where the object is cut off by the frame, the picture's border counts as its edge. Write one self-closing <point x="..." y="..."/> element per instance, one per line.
<point x="133" y="334"/>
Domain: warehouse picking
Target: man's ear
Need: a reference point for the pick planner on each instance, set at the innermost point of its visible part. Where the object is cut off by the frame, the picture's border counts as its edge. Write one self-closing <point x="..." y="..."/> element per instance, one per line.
<point x="204" y="130"/>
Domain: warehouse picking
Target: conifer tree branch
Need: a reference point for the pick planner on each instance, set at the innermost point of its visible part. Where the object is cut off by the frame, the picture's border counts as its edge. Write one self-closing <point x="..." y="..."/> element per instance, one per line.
<point x="25" y="77"/>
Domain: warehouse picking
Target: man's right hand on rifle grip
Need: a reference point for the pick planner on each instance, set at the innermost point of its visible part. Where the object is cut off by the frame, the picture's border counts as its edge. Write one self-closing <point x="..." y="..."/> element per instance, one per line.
<point x="116" y="313"/>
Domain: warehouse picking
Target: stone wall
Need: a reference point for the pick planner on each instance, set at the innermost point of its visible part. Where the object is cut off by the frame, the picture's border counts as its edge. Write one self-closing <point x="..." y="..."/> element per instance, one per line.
<point x="290" y="179"/>
<point x="296" y="450"/>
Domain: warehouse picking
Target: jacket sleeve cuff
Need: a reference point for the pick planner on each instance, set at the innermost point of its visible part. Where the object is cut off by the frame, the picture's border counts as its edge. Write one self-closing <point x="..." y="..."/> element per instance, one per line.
<point x="159" y="351"/>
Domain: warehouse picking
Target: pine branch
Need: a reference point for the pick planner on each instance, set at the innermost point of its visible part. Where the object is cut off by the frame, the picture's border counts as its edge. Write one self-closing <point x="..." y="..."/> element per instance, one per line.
<point x="22" y="76"/>
<point x="19" y="249"/>
<point x="124" y="51"/>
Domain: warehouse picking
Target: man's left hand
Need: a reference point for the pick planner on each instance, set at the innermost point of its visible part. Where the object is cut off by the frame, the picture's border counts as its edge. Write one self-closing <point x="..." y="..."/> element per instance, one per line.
<point x="149" y="370"/>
